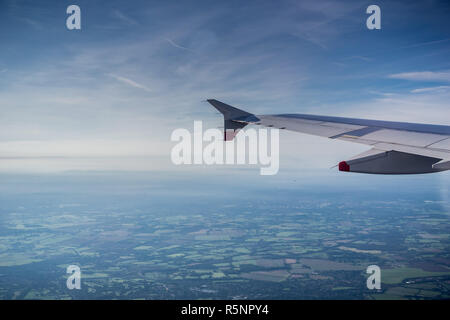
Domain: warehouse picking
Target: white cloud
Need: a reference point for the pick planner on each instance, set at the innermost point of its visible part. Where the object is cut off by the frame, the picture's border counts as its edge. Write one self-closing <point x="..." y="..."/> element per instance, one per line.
<point x="129" y="82"/>
<point x="430" y="89"/>
<point x="423" y="76"/>
<point x="124" y="18"/>
<point x="427" y="43"/>
<point x="173" y="44"/>
<point x="427" y="107"/>
<point x="33" y="23"/>
<point x="82" y="148"/>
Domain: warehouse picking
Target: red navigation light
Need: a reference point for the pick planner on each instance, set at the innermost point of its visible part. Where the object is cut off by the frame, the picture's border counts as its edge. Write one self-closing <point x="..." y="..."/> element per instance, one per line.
<point x="343" y="166"/>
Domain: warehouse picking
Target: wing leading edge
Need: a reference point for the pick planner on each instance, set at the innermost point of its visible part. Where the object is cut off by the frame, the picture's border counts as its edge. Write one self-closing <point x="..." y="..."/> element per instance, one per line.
<point x="397" y="147"/>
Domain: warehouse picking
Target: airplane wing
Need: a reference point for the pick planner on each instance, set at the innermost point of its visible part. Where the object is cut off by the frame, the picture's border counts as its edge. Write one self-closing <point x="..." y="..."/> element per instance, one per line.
<point x="397" y="147"/>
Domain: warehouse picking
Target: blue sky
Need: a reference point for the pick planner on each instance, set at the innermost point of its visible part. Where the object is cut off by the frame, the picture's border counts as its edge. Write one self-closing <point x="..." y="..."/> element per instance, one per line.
<point x="139" y="69"/>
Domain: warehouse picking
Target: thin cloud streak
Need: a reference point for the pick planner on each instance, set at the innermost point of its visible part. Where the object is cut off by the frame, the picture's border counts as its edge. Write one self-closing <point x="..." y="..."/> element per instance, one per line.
<point x="428" y="43"/>
<point x="430" y="89"/>
<point x="423" y="76"/>
<point x="122" y="17"/>
<point x="129" y="82"/>
<point x="173" y="44"/>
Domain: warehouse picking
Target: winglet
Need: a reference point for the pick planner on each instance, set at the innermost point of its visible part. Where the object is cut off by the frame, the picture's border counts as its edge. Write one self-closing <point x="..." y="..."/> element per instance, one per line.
<point x="234" y="119"/>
